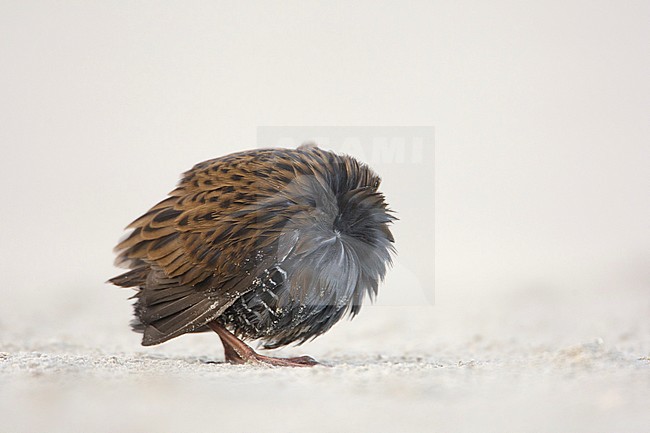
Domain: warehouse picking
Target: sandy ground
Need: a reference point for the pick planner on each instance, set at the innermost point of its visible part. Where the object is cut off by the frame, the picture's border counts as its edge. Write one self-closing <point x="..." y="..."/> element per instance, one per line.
<point x="535" y="362"/>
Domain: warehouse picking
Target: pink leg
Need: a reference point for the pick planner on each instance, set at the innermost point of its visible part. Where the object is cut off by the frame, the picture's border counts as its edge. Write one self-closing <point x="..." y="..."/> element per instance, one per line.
<point x="238" y="352"/>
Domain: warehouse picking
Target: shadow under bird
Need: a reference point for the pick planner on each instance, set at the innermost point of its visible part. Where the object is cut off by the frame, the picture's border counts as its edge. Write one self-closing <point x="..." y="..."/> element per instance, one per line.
<point x="275" y="245"/>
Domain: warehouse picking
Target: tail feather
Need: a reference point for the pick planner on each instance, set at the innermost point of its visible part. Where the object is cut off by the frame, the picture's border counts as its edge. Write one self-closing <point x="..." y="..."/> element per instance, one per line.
<point x="178" y="320"/>
<point x="164" y="307"/>
<point x="133" y="278"/>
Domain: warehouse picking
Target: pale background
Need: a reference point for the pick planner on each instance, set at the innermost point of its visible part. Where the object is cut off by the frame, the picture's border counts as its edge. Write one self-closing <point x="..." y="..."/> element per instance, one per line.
<point x="542" y="282"/>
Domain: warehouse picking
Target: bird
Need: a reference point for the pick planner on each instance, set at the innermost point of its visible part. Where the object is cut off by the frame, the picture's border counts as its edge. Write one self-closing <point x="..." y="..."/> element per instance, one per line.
<point x="272" y="245"/>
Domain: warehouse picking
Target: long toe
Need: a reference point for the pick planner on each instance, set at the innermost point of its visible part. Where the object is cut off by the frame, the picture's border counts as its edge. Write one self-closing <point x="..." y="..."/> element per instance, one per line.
<point x="306" y="361"/>
<point x="301" y="361"/>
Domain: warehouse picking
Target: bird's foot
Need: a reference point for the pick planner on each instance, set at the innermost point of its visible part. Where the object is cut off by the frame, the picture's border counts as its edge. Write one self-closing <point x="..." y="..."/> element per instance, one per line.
<point x="256" y="359"/>
<point x="238" y="352"/>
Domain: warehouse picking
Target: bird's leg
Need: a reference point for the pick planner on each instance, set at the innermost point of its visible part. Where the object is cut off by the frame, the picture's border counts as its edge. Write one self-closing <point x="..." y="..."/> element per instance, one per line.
<point x="238" y="352"/>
